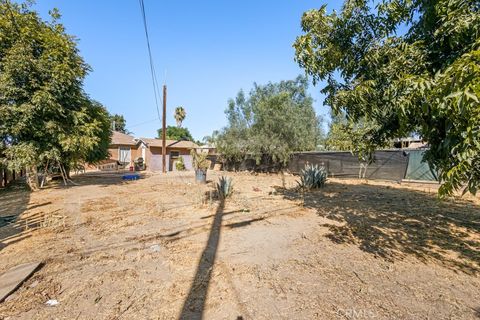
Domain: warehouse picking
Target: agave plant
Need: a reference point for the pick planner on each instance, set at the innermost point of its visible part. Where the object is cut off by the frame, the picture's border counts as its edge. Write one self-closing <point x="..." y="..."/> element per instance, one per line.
<point x="224" y="187"/>
<point x="312" y="177"/>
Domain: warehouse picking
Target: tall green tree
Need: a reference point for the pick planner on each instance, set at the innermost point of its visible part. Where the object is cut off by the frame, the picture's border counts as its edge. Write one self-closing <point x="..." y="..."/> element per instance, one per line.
<point x="119" y="123"/>
<point x="273" y="120"/>
<point x="176" y="133"/>
<point x="347" y="135"/>
<point x="179" y="115"/>
<point x="405" y="66"/>
<point x="44" y="113"/>
<point x="339" y="136"/>
<point x="212" y="139"/>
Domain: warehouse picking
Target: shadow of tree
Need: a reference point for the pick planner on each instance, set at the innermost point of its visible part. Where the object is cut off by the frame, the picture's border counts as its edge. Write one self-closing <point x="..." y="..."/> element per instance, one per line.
<point x="95" y="178"/>
<point x="394" y="222"/>
<point x="16" y="226"/>
<point x="14" y="201"/>
<point x="194" y="304"/>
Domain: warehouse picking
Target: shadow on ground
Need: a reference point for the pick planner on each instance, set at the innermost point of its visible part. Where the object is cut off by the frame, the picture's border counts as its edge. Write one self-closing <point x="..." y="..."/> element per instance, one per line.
<point x="15" y="226"/>
<point x="14" y="201"/>
<point x="194" y="304"/>
<point x="101" y="178"/>
<point x="393" y="223"/>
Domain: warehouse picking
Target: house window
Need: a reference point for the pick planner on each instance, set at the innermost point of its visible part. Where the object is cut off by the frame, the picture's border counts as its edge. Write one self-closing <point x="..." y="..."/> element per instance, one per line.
<point x="174" y="154"/>
<point x="124" y="155"/>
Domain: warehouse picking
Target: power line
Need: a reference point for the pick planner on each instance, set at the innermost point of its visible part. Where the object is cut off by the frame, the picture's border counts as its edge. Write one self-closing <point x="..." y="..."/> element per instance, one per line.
<point x="155" y="87"/>
<point x="141" y="123"/>
<point x="156" y="90"/>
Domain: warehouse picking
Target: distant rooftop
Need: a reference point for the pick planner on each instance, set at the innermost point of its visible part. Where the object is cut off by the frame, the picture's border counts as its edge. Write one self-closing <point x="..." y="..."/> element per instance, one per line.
<point x="170" y="143"/>
<point x="119" y="138"/>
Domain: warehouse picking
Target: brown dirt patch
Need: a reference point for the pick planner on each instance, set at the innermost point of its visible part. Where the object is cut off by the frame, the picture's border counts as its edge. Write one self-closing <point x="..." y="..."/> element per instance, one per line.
<point x="160" y="248"/>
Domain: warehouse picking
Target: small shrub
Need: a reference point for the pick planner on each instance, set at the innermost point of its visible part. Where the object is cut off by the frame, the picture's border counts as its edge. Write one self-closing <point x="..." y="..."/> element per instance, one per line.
<point x="199" y="160"/>
<point x="312" y="177"/>
<point x="224" y="187"/>
<point x="180" y="165"/>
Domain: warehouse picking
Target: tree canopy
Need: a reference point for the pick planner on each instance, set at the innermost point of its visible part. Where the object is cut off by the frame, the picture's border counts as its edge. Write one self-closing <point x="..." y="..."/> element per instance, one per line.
<point x="44" y="112"/>
<point x="273" y="120"/>
<point x="119" y="123"/>
<point x="404" y="66"/>
<point x="347" y="135"/>
<point x="176" y="133"/>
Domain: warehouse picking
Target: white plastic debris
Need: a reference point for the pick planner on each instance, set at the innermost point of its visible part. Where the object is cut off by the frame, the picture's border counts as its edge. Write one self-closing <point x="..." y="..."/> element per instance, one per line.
<point x="52" y="303"/>
<point x="155" y="248"/>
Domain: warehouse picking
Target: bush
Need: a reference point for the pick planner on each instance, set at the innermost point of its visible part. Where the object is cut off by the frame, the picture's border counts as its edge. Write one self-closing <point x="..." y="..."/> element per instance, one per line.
<point x="180" y="165"/>
<point x="312" y="177"/>
<point x="199" y="160"/>
<point x="224" y="187"/>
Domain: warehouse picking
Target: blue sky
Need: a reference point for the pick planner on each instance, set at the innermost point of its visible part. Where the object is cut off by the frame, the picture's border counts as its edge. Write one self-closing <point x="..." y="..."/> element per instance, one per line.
<point x="209" y="49"/>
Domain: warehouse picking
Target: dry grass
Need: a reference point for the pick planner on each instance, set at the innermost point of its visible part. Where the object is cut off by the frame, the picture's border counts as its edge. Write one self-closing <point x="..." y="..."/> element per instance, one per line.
<point x="165" y="247"/>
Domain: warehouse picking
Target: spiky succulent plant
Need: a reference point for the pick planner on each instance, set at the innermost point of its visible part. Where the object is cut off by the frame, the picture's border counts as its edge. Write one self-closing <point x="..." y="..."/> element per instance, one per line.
<point x="224" y="187"/>
<point x="312" y="177"/>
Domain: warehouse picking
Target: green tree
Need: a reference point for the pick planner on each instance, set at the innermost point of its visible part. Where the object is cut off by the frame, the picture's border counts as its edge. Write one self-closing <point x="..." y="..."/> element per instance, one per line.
<point x="211" y="139"/>
<point x="44" y="113"/>
<point x="274" y="120"/>
<point x="348" y="135"/>
<point x="338" y="136"/>
<point x="119" y="123"/>
<point x="425" y="80"/>
<point x="176" y="133"/>
<point x="179" y="115"/>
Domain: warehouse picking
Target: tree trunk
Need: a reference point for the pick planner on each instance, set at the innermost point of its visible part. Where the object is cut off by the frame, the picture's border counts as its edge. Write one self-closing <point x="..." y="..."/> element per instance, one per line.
<point x="32" y="177"/>
<point x="66" y="167"/>
<point x="67" y="172"/>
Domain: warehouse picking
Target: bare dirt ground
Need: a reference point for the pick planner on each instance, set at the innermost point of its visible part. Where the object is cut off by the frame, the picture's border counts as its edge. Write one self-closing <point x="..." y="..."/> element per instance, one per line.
<point x="161" y="248"/>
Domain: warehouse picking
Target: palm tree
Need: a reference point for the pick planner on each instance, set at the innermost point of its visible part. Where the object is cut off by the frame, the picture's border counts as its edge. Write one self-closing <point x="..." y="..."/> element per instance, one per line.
<point x="179" y="115"/>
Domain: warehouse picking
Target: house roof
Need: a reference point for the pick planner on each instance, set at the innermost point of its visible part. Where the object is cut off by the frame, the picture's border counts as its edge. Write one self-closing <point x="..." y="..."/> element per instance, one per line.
<point x="119" y="138"/>
<point x="170" y="143"/>
<point x="184" y="144"/>
<point x="155" y="142"/>
<point x="207" y="146"/>
<point x="417" y="145"/>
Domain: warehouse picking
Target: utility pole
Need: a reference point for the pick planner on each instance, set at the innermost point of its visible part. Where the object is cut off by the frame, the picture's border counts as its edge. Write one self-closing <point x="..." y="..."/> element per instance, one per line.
<point x="164" y="129"/>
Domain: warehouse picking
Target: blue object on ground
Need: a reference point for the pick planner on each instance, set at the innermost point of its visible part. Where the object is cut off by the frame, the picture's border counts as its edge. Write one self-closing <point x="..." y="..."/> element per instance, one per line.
<point x="134" y="176"/>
